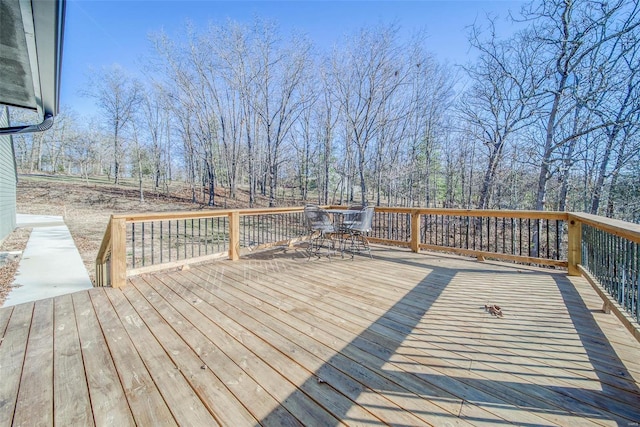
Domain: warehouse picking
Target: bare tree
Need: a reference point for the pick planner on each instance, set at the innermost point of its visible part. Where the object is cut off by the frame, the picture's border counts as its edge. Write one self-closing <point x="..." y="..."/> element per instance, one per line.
<point x="431" y="98"/>
<point x="155" y="117"/>
<point x="367" y="73"/>
<point x="569" y="33"/>
<point x="282" y="73"/>
<point x="118" y="96"/>
<point x="327" y="117"/>
<point x="620" y="112"/>
<point x="501" y="98"/>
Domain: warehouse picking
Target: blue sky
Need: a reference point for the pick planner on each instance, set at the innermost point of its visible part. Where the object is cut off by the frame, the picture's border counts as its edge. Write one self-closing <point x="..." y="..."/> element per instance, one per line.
<point x="103" y="32"/>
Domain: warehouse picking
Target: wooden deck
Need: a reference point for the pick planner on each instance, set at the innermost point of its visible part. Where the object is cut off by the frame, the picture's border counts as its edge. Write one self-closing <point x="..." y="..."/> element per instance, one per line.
<point x="402" y="339"/>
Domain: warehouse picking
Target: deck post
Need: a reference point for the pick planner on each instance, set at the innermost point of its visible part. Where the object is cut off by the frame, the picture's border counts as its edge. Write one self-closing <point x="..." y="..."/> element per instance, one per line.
<point x="234" y="235"/>
<point x="118" y="252"/>
<point x="415" y="231"/>
<point x="574" y="250"/>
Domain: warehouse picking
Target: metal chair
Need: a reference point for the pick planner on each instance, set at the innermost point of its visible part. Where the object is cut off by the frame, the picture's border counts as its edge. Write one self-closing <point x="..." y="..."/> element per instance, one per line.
<point x="320" y="227"/>
<point x="359" y="224"/>
<point x="349" y="217"/>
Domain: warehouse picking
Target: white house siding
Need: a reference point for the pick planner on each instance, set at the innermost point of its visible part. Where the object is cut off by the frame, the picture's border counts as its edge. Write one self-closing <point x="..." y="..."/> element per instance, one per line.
<point x="7" y="180"/>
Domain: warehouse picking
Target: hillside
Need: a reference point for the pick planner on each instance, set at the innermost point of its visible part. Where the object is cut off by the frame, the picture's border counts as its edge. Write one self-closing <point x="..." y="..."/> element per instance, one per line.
<point x="86" y="205"/>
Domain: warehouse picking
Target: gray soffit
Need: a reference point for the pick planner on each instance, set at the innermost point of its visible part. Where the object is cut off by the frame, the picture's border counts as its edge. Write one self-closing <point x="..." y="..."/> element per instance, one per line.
<point x="31" y="33"/>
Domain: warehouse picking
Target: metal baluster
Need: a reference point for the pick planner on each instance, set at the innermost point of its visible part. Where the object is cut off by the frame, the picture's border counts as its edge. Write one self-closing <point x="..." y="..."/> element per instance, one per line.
<point x="474" y="230"/>
<point x="206" y="235"/>
<point x="467" y="236"/>
<point x="513" y="237"/>
<point x="142" y="244"/>
<point x="519" y="236"/>
<point x="192" y="239"/>
<point x="495" y="234"/>
<point x="557" y="257"/>
<point x="456" y="222"/>
<point x="529" y="236"/>
<point x="636" y="280"/>
<point x="177" y="239"/>
<point x="488" y="247"/>
<point x="133" y="244"/>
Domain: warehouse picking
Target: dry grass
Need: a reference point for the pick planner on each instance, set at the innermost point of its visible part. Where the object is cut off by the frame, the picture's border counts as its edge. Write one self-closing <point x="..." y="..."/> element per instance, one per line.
<point x="10" y="253"/>
<point x="86" y="205"/>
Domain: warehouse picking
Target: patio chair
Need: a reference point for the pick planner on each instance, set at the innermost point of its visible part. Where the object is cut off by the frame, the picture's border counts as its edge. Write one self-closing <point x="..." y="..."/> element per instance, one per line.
<point x="349" y="217"/>
<point x="359" y="224"/>
<point x="320" y="227"/>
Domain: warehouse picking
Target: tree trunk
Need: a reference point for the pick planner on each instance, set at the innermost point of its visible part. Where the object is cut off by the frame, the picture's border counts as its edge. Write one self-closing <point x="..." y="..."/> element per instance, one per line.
<point x="116" y="156"/>
<point x="489" y="175"/>
<point x="541" y="197"/>
<point x="361" y="172"/>
<point x="564" y="189"/>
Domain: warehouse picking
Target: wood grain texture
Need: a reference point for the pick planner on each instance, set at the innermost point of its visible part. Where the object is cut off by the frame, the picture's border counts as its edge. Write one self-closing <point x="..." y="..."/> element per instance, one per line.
<point x="118" y="260"/>
<point x="108" y="401"/>
<point x="72" y="405"/>
<point x="275" y="339"/>
<point x="12" y="352"/>
<point x="36" y="382"/>
<point x="146" y="402"/>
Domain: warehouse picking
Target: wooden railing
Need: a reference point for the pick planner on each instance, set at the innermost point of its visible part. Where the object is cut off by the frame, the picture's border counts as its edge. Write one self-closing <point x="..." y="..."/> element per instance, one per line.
<point x="139" y="243"/>
<point x="608" y="251"/>
<point x="603" y="250"/>
<point x="524" y="236"/>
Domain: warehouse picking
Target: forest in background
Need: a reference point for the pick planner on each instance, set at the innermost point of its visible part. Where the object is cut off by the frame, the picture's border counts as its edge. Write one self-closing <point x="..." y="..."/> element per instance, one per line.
<point x="545" y="119"/>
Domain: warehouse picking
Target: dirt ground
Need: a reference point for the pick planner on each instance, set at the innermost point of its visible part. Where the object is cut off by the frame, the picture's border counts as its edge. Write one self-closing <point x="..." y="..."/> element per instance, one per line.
<point x="87" y="205"/>
<point x="10" y="254"/>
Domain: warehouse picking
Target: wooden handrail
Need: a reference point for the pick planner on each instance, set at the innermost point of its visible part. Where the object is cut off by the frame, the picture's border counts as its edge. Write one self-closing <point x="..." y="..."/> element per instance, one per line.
<point x="620" y="228"/>
<point x="484" y="213"/>
<point x="155" y="216"/>
<point x="105" y="246"/>
<point x="111" y="259"/>
<point x="616" y="227"/>
<point x="102" y="275"/>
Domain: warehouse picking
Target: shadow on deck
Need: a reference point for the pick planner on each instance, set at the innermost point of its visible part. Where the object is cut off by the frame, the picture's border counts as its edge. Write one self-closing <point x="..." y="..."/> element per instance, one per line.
<point x="275" y="339"/>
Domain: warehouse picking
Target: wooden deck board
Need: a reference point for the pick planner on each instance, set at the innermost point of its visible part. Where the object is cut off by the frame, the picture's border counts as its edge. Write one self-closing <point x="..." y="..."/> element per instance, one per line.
<point x="5" y="315"/>
<point x="336" y="338"/>
<point x="321" y="276"/>
<point x="283" y="355"/>
<point x="279" y="340"/>
<point x="282" y="331"/>
<point x="183" y="402"/>
<point x="145" y="400"/>
<point x="36" y="382"/>
<point x="257" y="359"/>
<point x="226" y="357"/>
<point x="72" y="405"/>
<point x="108" y="400"/>
<point x="205" y="384"/>
<point x="448" y="386"/>
<point x="12" y="352"/>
